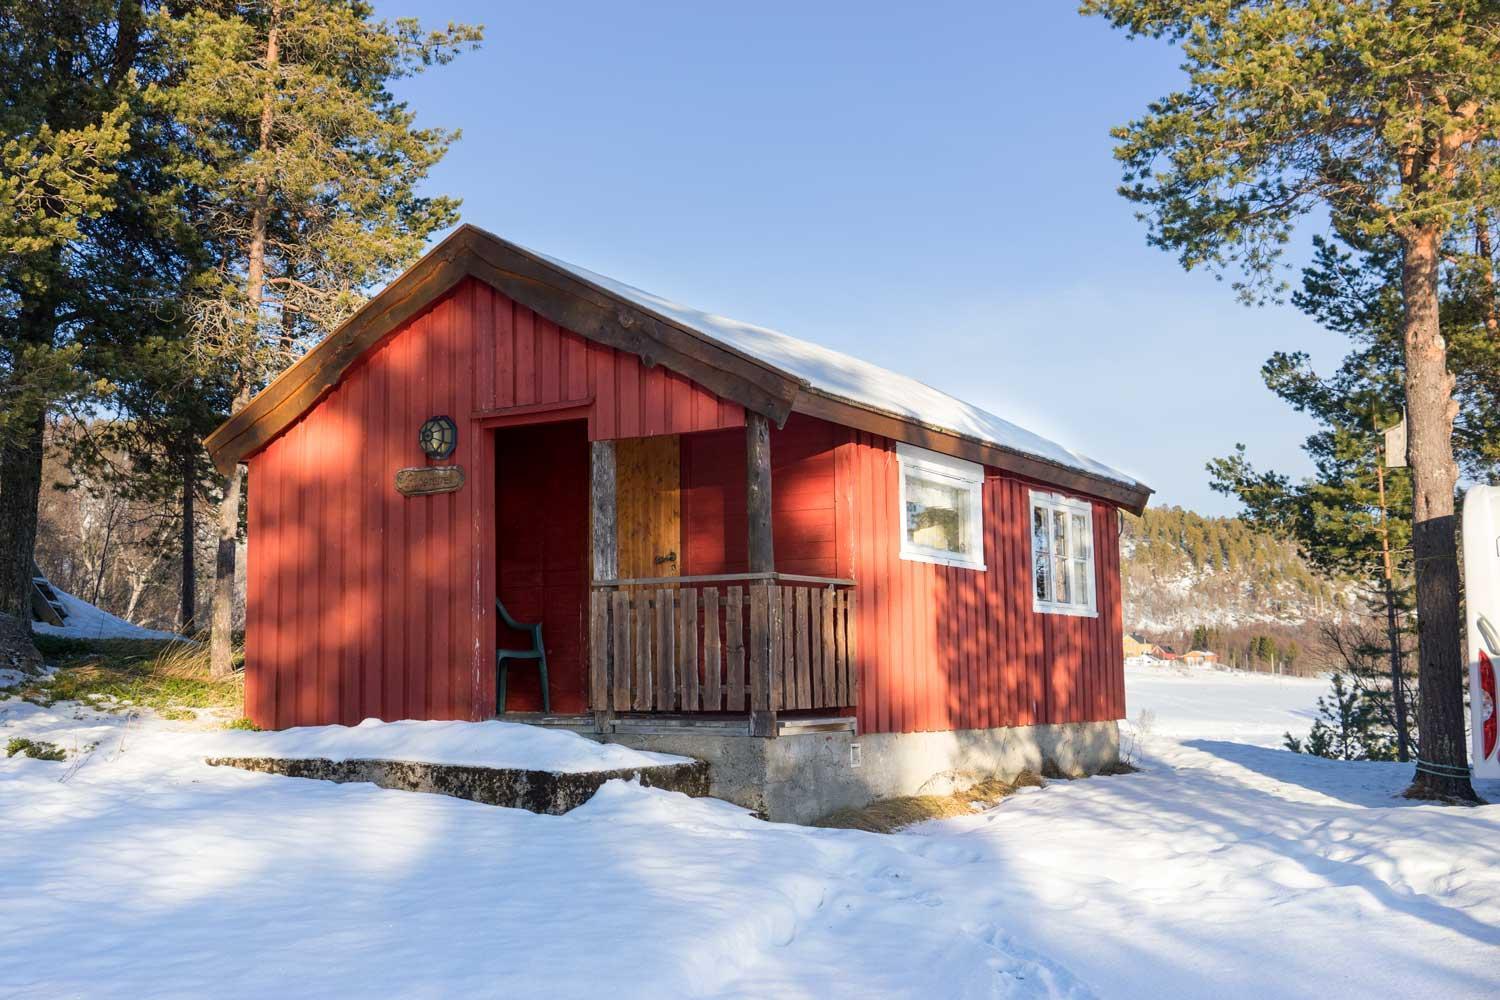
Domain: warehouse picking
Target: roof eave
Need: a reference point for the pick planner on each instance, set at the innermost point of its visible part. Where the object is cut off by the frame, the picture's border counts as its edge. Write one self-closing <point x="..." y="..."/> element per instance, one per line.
<point x="812" y="401"/>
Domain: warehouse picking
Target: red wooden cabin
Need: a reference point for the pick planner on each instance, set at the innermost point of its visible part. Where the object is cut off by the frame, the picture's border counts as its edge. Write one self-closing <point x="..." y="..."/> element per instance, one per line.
<point x="710" y="519"/>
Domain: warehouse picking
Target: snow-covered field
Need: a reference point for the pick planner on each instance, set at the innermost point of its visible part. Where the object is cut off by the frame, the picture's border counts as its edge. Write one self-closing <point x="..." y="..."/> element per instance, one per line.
<point x="1227" y="868"/>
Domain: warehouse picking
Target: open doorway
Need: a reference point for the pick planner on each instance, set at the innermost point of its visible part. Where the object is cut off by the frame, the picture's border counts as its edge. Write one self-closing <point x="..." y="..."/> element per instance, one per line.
<point x="542" y="558"/>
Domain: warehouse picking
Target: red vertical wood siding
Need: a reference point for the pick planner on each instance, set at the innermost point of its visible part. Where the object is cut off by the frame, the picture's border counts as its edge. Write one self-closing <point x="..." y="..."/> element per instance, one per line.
<point x="803" y="521"/>
<point x="365" y="603"/>
<point x="947" y="648"/>
<point x="940" y="647"/>
<point x="362" y="602"/>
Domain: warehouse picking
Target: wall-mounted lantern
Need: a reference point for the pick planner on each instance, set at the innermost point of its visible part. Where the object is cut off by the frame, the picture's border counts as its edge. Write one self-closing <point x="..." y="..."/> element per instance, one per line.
<point x="438" y="437"/>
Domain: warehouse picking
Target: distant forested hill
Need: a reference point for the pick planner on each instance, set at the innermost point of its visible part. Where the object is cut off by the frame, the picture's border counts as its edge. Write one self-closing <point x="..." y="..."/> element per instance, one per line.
<point x="1183" y="570"/>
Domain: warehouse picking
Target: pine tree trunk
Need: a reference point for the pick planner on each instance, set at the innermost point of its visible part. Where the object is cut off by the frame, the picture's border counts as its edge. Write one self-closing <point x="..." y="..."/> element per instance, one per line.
<point x="1442" y="766"/>
<point x="1398" y="686"/>
<point x="221" y="624"/>
<point x="221" y="648"/>
<point x="20" y="488"/>
<point x="21" y="477"/>
<point x="189" y="596"/>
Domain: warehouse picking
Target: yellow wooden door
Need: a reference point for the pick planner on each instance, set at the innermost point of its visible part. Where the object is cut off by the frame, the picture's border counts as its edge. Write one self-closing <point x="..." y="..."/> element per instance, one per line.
<point x="648" y="506"/>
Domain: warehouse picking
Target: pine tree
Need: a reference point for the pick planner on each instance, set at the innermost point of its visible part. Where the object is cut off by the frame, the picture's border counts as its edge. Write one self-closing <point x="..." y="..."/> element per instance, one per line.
<point x="82" y="243"/>
<point x="302" y="171"/>
<point x="1388" y="116"/>
<point x="1353" y="516"/>
<point x="1346" y="727"/>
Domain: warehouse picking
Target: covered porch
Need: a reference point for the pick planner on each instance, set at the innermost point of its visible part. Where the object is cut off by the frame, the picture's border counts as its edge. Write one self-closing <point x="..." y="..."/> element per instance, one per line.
<point x="645" y="647"/>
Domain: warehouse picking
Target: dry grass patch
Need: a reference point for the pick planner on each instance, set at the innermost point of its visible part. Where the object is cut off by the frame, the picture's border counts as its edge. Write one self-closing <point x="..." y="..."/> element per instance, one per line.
<point x="891" y="815"/>
<point x="1119" y="767"/>
<point x="171" y="678"/>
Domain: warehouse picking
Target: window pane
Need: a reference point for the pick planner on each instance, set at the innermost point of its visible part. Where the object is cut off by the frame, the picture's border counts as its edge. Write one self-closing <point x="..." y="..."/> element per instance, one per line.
<point x="1060" y="533"/>
<point x="937" y="514"/>
<point x="1083" y="543"/>
<point x="963" y="520"/>
<point x="1064" y="590"/>
<point x="1041" y="548"/>
<point x="1081" y="582"/>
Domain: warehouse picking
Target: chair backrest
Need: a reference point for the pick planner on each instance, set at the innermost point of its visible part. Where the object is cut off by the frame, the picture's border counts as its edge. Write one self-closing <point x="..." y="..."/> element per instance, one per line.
<point x="511" y="622"/>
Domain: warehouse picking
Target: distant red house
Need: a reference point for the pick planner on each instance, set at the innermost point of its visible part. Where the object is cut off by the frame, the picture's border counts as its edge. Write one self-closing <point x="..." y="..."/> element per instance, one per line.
<point x="709" y="519"/>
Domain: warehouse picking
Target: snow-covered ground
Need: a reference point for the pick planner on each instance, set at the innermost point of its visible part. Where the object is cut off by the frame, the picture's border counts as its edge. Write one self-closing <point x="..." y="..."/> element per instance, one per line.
<point x="476" y="744"/>
<point x="81" y="620"/>
<point x="1227" y="868"/>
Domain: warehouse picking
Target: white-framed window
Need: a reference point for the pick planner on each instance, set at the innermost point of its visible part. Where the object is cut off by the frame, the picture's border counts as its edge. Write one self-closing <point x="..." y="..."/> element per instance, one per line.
<point x="1062" y="555"/>
<point x="942" y="508"/>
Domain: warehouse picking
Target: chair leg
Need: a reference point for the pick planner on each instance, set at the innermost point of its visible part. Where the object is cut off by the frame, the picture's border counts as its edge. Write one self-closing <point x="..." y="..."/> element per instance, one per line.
<point x="546" y="688"/>
<point x="500" y="674"/>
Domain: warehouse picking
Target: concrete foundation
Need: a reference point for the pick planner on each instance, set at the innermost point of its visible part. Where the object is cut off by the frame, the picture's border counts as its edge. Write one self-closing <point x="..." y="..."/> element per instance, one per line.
<point x="800" y="777"/>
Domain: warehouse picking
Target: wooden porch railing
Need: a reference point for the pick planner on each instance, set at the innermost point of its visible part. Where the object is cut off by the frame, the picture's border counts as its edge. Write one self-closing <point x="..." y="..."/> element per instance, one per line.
<point x="759" y="642"/>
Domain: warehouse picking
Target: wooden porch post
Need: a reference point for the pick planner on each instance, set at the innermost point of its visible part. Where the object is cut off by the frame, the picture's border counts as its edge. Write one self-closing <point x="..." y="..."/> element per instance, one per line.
<point x="762" y="559"/>
<point x="605" y="541"/>
<point x="758" y="492"/>
<point x="604" y="562"/>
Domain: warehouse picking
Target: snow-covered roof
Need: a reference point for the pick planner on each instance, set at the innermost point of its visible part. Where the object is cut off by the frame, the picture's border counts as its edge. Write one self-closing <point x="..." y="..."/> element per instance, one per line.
<point x="836" y="374"/>
<point x="81" y="620"/>
<point x="763" y="370"/>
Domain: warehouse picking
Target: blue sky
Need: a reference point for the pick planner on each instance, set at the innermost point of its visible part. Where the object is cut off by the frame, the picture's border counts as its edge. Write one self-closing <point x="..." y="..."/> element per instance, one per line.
<point x="930" y="187"/>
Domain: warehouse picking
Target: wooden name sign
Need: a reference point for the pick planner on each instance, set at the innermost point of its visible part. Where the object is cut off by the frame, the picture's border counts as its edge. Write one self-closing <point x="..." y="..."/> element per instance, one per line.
<point x="426" y="480"/>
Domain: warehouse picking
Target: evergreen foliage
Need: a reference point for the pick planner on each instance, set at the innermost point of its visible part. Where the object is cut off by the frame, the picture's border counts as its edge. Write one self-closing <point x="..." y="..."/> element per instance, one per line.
<point x="76" y="233"/>
<point x="299" y="170"/>
<point x="296" y="159"/>
<point x="1347" y="728"/>
<point x="1335" y="516"/>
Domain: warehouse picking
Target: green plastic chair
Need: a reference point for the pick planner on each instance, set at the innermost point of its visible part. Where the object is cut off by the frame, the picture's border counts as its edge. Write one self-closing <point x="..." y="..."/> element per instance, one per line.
<point x="537" y="652"/>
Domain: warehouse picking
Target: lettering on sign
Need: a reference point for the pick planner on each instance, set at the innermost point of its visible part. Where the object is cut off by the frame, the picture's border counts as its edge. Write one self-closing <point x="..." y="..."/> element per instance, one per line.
<point x="427" y="480"/>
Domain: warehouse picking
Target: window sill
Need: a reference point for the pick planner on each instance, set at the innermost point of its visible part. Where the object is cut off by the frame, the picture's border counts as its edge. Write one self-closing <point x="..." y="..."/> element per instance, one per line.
<point x="938" y="559"/>
<point x="1064" y="609"/>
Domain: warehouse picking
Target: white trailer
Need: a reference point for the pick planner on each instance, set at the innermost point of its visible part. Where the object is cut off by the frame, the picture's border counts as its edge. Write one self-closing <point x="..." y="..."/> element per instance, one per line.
<point x="1482" y="599"/>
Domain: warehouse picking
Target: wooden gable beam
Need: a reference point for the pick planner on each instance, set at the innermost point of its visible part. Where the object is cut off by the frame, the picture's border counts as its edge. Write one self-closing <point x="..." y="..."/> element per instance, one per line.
<point x="533" y="282"/>
<point x="295" y="390"/>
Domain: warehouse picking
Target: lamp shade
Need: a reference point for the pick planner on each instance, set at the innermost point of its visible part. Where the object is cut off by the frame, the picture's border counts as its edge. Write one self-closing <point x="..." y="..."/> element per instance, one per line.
<point x="438" y="437"/>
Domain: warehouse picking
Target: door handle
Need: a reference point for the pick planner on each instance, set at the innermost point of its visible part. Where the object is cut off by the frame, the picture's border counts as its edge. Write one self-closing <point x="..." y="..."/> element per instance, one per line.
<point x="670" y="557"/>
